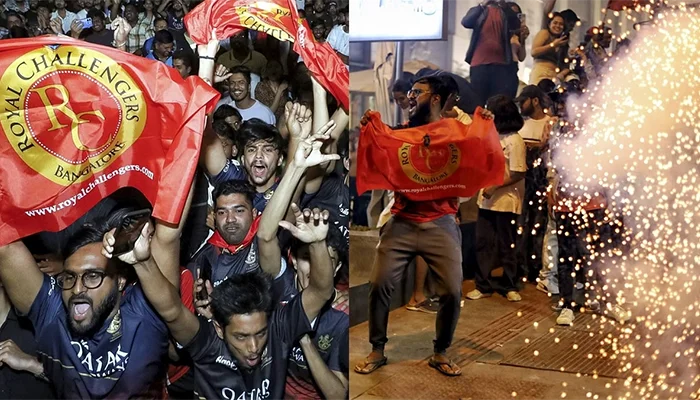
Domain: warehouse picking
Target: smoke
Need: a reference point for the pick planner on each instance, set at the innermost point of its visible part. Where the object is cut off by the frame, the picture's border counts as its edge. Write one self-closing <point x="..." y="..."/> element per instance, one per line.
<point x="637" y="139"/>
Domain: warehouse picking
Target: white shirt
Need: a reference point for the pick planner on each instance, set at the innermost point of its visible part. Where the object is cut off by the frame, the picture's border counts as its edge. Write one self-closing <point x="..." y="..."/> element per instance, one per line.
<point x="339" y="40"/>
<point x="257" y="110"/>
<point x="509" y="198"/>
<point x="67" y="21"/>
<point x="536" y="130"/>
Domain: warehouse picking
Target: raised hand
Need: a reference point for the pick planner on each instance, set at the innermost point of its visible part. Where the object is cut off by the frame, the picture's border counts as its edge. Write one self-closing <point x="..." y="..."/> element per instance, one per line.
<point x="308" y="153"/>
<point x="203" y="305"/>
<point x="142" y="248"/>
<point x="12" y="356"/>
<point x="121" y="30"/>
<point x="299" y="120"/>
<point x="221" y="74"/>
<point x="56" y="26"/>
<point x="311" y="225"/>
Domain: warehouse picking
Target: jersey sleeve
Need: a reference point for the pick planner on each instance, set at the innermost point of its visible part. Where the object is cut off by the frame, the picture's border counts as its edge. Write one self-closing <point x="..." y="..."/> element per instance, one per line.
<point x="232" y="171"/>
<point x="290" y="321"/>
<point x="47" y="305"/>
<point x="203" y="341"/>
<point x="338" y="358"/>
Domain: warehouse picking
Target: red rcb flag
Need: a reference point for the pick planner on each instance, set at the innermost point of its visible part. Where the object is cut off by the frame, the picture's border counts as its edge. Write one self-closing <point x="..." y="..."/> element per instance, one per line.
<point x="458" y="161"/>
<point x="79" y="121"/>
<point x="279" y="19"/>
<point x="619" y="5"/>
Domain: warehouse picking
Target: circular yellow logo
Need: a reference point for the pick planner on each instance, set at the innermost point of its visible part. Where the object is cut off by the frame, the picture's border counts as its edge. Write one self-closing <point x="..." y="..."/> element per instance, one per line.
<point x="429" y="165"/>
<point x="70" y="111"/>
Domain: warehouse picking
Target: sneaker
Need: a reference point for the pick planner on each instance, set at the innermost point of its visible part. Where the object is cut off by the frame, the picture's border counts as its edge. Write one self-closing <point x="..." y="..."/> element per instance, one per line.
<point x="593" y="305"/>
<point x="513" y="296"/>
<point x="618" y="313"/>
<point x="558" y="306"/>
<point x="566" y="317"/>
<point x="476" y="295"/>
<point x="427" y="306"/>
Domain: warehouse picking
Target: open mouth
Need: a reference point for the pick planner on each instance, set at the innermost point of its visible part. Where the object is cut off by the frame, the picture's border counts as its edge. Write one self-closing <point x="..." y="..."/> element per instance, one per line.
<point x="412" y="105"/>
<point x="259" y="171"/>
<point x="252" y="361"/>
<point x="80" y="310"/>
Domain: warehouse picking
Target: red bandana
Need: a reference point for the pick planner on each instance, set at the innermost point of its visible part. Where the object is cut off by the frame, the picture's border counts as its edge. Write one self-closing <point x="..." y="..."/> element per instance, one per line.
<point x="219" y="241"/>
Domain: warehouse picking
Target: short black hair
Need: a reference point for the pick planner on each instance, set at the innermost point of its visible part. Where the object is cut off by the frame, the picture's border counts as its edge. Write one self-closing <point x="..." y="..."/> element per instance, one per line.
<point x="94" y="13"/>
<point x="438" y="86"/>
<point x="243" y="70"/>
<point x="223" y="129"/>
<point x="43" y="4"/>
<point x="226" y="111"/>
<point x="93" y="232"/>
<point x="255" y="129"/>
<point x="185" y="57"/>
<point x="402" y="86"/>
<point x="163" y="37"/>
<point x="242" y="294"/>
<point x="506" y="114"/>
<point x="235" y="186"/>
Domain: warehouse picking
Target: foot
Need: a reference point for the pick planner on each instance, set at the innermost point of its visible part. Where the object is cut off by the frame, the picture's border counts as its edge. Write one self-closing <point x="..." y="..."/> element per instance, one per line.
<point x="618" y="313"/>
<point x="476" y="295"/>
<point x="373" y="362"/>
<point x="546" y="289"/>
<point x="566" y="317"/>
<point x="426" y="306"/>
<point x="444" y="365"/>
<point x="513" y="296"/>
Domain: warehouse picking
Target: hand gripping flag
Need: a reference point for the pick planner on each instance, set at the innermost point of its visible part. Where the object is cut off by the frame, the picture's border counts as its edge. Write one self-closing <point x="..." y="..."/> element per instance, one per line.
<point x="457" y="161"/>
<point x="79" y="121"/>
<point x="279" y="19"/>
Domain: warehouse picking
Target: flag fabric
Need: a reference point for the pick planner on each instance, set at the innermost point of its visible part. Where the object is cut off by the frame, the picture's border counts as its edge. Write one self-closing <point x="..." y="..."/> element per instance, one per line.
<point x="79" y="121"/>
<point x="618" y="5"/>
<point x="457" y="161"/>
<point x="279" y="19"/>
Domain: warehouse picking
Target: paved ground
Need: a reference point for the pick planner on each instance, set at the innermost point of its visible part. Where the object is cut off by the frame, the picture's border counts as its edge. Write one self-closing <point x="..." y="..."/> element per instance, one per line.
<point x="495" y="346"/>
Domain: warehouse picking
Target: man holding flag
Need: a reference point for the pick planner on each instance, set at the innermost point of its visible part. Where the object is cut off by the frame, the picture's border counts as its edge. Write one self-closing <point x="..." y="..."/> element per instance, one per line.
<point x="423" y="220"/>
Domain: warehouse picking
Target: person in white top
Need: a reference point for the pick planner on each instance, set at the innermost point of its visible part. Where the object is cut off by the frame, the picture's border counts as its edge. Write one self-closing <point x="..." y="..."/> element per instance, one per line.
<point x="499" y="206"/>
<point x="66" y="17"/>
<point x="339" y="37"/>
<point x="240" y="97"/>
<point x="534" y="257"/>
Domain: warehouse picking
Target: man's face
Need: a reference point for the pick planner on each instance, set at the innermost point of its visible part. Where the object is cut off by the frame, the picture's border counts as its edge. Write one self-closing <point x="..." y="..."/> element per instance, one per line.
<point x="163" y="50"/>
<point x="88" y="309"/>
<point x="401" y="99"/>
<point x="234" y="122"/>
<point x="238" y="87"/>
<point x="260" y="160"/>
<point x="33" y="4"/>
<point x="319" y="32"/>
<point x="60" y="4"/>
<point x="13" y="21"/>
<point x="183" y="69"/>
<point x="98" y="24"/>
<point x="419" y="99"/>
<point x="319" y="5"/>
<point x="301" y="260"/>
<point x="233" y="216"/>
<point x="333" y="8"/>
<point x="177" y="6"/>
<point x="130" y="13"/>
<point x="239" y="41"/>
<point x="246" y="337"/>
<point x="160" y="25"/>
<point x="88" y="4"/>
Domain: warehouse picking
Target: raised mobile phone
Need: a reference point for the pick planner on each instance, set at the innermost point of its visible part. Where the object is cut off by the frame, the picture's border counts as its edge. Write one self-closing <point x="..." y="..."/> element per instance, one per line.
<point x="129" y="230"/>
<point x="204" y="275"/>
<point x="87" y="22"/>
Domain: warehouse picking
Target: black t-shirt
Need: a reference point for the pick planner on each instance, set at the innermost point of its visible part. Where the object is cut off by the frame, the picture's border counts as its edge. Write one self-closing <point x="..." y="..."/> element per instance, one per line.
<point x="122" y="360"/>
<point x="217" y="375"/>
<point x="334" y="196"/>
<point x="104" y="38"/>
<point x="331" y="341"/>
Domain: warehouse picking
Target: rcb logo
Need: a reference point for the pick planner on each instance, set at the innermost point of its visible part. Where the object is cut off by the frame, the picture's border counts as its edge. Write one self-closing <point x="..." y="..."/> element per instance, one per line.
<point x="429" y="165"/>
<point x="70" y="111"/>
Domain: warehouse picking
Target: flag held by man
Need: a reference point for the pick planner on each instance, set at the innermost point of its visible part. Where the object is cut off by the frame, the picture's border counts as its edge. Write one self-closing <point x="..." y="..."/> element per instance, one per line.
<point x="79" y="121"/>
<point x="279" y="19"/>
<point x="443" y="159"/>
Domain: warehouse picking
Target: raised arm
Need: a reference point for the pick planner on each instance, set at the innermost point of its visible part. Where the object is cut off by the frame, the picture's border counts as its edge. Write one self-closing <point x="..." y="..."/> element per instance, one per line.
<point x="163" y="296"/>
<point x="333" y="384"/>
<point x="312" y="228"/>
<point x="469" y="20"/>
<point x="307" y="155"/>
<point x="20" y="275"/>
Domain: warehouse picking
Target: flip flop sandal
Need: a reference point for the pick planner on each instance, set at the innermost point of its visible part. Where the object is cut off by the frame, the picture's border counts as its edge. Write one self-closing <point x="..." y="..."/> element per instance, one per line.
<point x="370" y="367"/>
<point x="439" y="366"/>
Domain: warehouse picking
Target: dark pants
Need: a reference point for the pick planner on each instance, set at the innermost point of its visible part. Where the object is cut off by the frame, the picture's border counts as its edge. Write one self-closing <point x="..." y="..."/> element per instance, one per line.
<point x="492" y="79"/>
<point x="439" y="243"/>
<point x="495" y="240"/>
<point x="575" y="234"/>
<point x="533" y="220"/>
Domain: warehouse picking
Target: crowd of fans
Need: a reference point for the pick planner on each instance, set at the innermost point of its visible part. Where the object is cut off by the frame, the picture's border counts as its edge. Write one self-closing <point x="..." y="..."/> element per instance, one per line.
<point x="248" y="297"/>
<point x="530" y="226"/>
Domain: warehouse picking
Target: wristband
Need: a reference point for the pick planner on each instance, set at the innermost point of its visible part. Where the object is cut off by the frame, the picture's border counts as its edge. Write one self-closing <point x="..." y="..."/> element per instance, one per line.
<point x="114" y="43"/>
<point x="206" y="58"/>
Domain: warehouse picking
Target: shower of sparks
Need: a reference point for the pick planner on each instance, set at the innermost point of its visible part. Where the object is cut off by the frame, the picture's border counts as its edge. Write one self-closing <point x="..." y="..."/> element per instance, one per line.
<point x="636" y="139"/>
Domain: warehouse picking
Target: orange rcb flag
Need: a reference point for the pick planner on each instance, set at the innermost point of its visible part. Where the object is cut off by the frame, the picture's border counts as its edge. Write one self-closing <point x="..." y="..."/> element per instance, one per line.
<point x="79" y="121"/>
<point x="458" y="161"/>
<point x="279" y="19"/>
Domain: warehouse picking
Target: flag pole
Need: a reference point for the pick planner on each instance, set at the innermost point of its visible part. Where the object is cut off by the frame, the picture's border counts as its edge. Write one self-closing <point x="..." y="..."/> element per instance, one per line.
<point x="398" y="74"/>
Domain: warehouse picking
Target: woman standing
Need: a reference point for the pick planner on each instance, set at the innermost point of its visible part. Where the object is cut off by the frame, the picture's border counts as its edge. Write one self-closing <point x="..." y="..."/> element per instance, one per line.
<point x="549" y="49"/>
